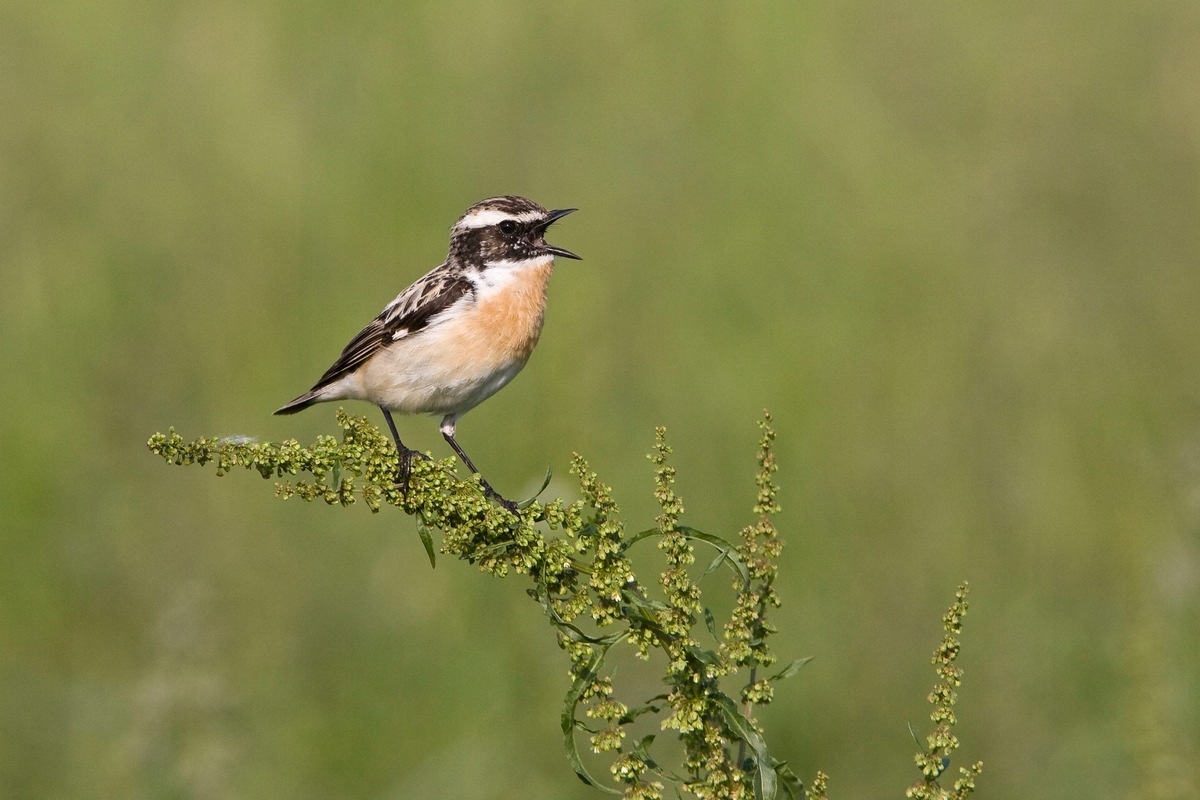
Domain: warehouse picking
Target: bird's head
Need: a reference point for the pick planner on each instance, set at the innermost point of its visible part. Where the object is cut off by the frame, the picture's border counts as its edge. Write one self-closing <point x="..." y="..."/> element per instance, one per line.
<point x="505" y="230"/>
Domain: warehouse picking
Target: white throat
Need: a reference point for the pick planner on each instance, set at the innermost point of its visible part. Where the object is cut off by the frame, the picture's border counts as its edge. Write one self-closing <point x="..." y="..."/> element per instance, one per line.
<point x="505" y="271"/>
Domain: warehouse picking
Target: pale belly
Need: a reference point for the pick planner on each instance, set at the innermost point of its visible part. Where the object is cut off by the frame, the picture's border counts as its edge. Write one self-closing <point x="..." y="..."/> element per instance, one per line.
<point x="459" y="360"/>
<point x="421" y="378"/>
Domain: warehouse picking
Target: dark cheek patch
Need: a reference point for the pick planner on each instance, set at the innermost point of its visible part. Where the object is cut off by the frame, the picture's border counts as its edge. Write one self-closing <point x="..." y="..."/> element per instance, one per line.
<point x="503" y="248"/>
<point x="475" y="247"/>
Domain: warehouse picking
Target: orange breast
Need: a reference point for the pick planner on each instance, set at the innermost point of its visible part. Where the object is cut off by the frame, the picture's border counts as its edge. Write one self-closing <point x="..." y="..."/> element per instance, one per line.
<point x="505" y="325"/>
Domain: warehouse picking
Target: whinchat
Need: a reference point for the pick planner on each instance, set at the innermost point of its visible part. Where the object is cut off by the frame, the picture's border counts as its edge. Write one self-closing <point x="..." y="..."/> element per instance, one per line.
<point x="460" y="333"/>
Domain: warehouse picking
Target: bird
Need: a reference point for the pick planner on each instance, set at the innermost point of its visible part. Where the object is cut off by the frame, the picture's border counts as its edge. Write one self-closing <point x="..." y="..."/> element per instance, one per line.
<point x="459" y="333"/>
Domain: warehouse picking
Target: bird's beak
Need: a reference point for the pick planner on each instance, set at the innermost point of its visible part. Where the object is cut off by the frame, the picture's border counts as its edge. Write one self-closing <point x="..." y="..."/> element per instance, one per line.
<point x="555" y="215"/>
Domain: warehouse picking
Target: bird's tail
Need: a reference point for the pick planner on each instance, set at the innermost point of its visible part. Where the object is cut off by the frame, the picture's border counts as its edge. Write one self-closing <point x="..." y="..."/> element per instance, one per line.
<point x="299" y="404"/>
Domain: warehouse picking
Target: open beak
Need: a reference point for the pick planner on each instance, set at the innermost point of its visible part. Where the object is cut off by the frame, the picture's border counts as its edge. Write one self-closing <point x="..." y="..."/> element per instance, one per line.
<point x="555" y="215"/>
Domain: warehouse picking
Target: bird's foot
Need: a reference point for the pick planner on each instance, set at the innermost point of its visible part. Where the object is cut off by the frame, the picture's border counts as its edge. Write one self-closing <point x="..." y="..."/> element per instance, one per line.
<point x="492" y="494"/>
<point x="404" y="468"/>
<point x="508" y="504"/>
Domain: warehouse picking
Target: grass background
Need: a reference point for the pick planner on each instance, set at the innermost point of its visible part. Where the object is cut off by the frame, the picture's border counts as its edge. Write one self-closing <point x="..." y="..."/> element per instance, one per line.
<point x="953" y="247"/>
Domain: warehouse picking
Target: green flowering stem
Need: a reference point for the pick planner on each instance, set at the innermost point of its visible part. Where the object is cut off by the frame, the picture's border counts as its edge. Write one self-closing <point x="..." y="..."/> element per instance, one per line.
<point x="941" y="743"/>
<point x="816" y="790"/>
<point x="577" y="557"/>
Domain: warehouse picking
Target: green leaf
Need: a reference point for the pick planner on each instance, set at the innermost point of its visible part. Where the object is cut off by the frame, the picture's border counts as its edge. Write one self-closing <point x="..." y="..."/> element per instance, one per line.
<point x="641" y="749"/>
<point x="714" y="564"/>
<point x="636" y="598"/>
<point x="573" y="631"/>
<point x="705" y="656"/>
<point x="791" y="669"/>
<point x="634" y="713"/>
<point x="495" y="548"/>
<point x="916" y="739"/>
<point x="789" y="781"/>
<point x="728" y="553"/>
<point x="765" y="777"/>
<point x="568" y="722"/>
<point x="630" y="541"/>
<point x="427" y="540"/>
<point x="545" y="482"/>
<point x="711" y="623"/>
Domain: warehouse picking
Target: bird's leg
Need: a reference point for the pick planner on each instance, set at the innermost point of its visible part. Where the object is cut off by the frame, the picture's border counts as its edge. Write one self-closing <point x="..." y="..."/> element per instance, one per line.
<point x="404" y="469"/>
<point x="447" y="429"/>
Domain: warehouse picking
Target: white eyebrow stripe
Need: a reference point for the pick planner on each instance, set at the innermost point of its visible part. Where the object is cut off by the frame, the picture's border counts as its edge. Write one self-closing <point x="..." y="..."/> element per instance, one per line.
<point x="490" y="216"/>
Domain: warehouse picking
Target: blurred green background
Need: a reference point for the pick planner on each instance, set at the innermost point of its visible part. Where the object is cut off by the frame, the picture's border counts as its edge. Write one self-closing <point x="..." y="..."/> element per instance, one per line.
<point x="953" y="247"/>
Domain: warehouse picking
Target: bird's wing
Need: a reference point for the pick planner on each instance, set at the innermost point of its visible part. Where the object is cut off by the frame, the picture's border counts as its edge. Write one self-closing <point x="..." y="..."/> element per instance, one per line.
<point x="408" y="314"/>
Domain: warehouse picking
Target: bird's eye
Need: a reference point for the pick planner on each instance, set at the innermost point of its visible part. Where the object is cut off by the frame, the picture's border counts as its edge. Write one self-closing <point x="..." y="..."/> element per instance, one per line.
<point x="508" y="227"/>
